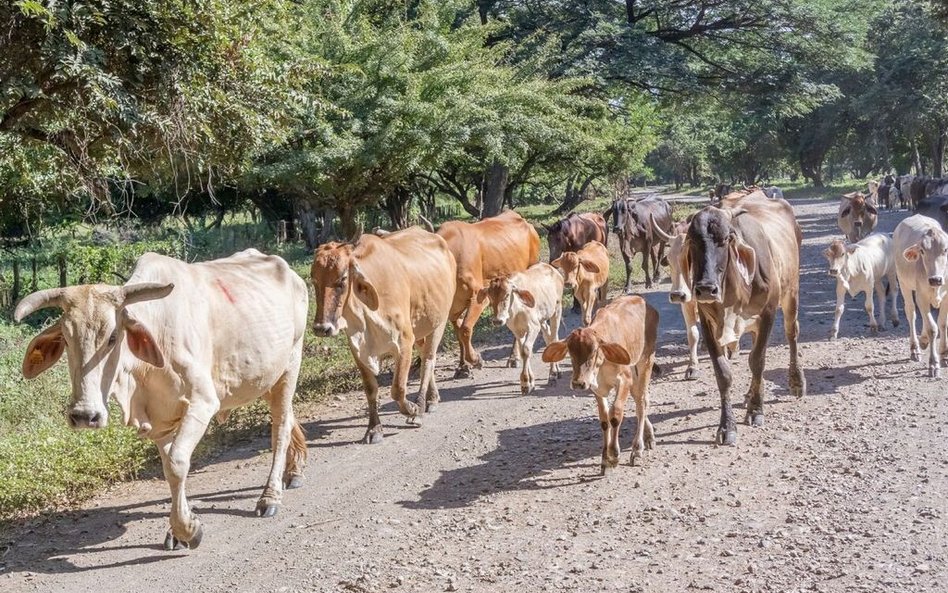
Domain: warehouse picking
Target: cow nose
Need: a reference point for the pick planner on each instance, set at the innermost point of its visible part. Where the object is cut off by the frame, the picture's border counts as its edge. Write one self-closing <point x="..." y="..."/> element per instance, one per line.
<point x="84" y="419"/>
<point x="579" y="384"/>
<point x="833" y="272"/>
<point x="936" y="281"/>
<point x="676" y="296"/>
<point x="324" y="330"/>
<point x="707" y="291"/>
<point x="858" y="224"/>
<point x="496" y="322"/>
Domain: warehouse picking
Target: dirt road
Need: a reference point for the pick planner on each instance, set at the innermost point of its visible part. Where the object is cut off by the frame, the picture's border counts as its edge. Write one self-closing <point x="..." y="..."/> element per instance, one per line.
<point x="844" y="490"/>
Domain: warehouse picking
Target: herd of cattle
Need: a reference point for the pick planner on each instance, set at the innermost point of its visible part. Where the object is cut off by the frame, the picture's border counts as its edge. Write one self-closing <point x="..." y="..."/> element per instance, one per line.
<point x="205" y="338"/>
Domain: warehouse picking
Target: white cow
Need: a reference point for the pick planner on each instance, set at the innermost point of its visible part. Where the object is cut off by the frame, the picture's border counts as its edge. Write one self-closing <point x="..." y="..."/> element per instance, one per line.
<point x="527" y="303"/>
<point x="863" y="267"/>
<point x="177" y="345"/>
<point x="921" y="263"/>
<point x="905" y="190"/>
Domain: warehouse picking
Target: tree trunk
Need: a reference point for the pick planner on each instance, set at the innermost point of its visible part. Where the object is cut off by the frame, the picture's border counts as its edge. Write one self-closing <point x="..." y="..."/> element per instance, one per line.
<point x="574" y="195"/>
<point x="917" y="158"/>
<point x="938" y="152"/>
<point x="496" y="189"/>
<point x="397" y="205"/>
<point x="348" y="227"/>
<point x="306" y="222"/>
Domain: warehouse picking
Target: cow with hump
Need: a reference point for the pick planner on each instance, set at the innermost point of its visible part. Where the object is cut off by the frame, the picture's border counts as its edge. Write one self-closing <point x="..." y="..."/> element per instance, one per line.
<point x="490" y="248"/>
<point x="586" y="273"/>
<point x="744" y="261"/>
<point x="388" y="294"/>
<point x="575" y="231"/>
<point x="634" y="221"/>
<point x="528" y="303"/>
<point x="921" y="264"/>
<point x="615" y="352"/>
<point x="177" y="345"/>
<point x="857" y="216"/>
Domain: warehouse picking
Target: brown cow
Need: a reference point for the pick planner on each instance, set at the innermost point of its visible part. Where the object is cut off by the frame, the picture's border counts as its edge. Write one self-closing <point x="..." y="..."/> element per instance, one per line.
<point x="587" y="273"/>
<point x="574" y="231"/>
<point x="744" y="260"/>
<point x="616" y="351"/>
<point x="636" y="235"/>
<point x="487" y="249"/>
<point x="388" y="294"/>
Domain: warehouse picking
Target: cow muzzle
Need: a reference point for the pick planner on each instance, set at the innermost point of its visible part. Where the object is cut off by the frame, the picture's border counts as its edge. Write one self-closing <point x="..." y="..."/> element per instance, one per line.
<point x="676" y="296"/>
<point x="325" y="330"/>
<point x="496" y="321"/>
<point x="936" y="280"/>
<point x="857" y="224"/>
<point x="579" y="384"/>
<point x="707" y="293"/>
<point x="83" y="418"/>
<point x="833" y="272"/>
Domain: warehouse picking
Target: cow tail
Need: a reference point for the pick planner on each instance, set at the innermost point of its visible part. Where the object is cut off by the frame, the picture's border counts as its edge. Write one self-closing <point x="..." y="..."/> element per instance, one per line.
<point x="297" y="453"/>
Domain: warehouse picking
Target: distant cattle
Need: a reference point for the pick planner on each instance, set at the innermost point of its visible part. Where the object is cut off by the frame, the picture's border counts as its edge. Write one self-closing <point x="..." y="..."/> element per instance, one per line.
<point x="586" y="272"/>
<point x="719" y="191"/>
<point x="936" y="208"/>
<point x="490" y="248"/>
<point x="177" y="345"/>
<point x="773" y="192"/>
<point x="866" y="266"/>
<point x="528" y="303"/>
<point x="389" y="294"/>
<point x="615" y="352"/>
<point x="873" y="191"/>
<point x="631" y="225"/>
<point x="903" y="184"/>
<point x="924" y="186"/>
<point x="744" y="264"/>
<point x="857" y="216"/>
<point x="886" y="195"/>
<point x="574" y="231"/>
<point x="921" y="260"/>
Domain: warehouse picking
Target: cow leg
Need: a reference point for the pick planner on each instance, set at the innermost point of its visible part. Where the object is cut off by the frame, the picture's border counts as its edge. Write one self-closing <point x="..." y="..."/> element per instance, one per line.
<point x="870" y="308"/>
<point x="283" y="429"/>
<point x="943" y="335"/>
<point x="551" y="333"/>
<point x="428" y="396"/>
<point x="644" y="433"/>
<point x="791" y="328"/>
<point x="606" y="462"/>
<point x="527" y="382"/>
<point x="400" y="381"/>
<point x="691" y="328"/>
<point x="515" y="354"/>
<point x="909" y="302"/>
<point x="656" y="262"/>
<point x="893" y="294"/>
<point x="374" y="433"/>
<point x="756" y="361"/>
<point x="840" y="308"/>
<point x="627" y="258"/>
<point x="646" y="255"/>
<point x="727" y="427"/>
<point x="472" y="359"/>
<point x="929" y="335"/>
<point x="176" y="454"/>
<point x="616" y="416"/>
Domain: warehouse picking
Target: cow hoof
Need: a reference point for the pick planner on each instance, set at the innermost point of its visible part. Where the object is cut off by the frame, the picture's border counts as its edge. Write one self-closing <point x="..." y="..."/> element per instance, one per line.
<point x="512" y="363"/>
<point x="463" y="373"/>
<point x="923" y="341"/>
<point x="197" y="537"/>
<point x="432" y="406"/>
<point x="691" y="374"/>
<point x="373" y="436"/>
<point x="727" y="437"/>
<point x="266" y="508"/>
<point x="650" y="443"/>
<point x="913" y="356"/>
<point x="602" y="469"/>
<point x="635" y="459"/>
<point x="756" y="419"/>
<point x="293" y="482"/>
<point x="173" y="544"/>
<point x="895" y="322"/>
<point x="833" y="336"/>
<point x="413" y="421"/>
<point x="873" y="329"/>
<point x="934" y="372"/>
<point x="551" y="382"/>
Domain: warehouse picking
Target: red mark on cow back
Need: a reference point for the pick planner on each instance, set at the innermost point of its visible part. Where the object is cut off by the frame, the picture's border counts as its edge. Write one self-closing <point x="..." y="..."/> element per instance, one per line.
<point x="226" y="292"/>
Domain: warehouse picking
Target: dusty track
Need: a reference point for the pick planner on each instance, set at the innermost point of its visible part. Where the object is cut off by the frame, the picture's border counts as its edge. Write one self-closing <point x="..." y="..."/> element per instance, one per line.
<point x="844" y="490"/>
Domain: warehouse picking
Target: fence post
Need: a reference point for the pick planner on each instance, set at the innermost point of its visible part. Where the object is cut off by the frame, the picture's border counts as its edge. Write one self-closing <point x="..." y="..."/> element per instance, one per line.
<point x="15" y="290"/>
<point x="33" y="286"/>
<point x="281" y="232"/>
<point x="62" y="271"/>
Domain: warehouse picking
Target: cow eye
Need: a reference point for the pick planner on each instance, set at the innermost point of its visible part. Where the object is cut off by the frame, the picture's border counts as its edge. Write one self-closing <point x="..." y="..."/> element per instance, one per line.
<point x="112" y="339"/>
<point x="341" y="283"/>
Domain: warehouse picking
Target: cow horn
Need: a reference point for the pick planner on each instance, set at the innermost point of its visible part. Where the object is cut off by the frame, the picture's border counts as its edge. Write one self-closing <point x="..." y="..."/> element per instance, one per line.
<point x="426" y="223"/>
<point x="145" y="291"/>
<point x="41" y="299"/>
<point x="359" y="231"/>
<point x="658" y="230"/>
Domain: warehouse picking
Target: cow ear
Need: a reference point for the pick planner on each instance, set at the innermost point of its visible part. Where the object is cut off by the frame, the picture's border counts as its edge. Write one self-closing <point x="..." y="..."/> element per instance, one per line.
<point x="851" y="248"/>
<point x="141" y="343"/>
<point x="557" y="263"/>
<point x="590" y="267"/>
<point x="738" y="212"/>
<point x="912" y="253"/>
<point x="615" y="353"/>
<point x="744" y="259"/>
<point x="44" y="350"/>
<point x="526" y="296"/>
<point x="482" y="295"/>
<point x="872" y="209"/>
<point x="845" y="211"/>
<point x="555" y="352"/>
<point x="363" y="289"/>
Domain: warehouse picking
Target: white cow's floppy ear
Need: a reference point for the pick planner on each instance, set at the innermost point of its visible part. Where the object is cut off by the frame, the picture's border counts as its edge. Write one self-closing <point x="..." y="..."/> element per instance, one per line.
<point x="44" y="350"/>
<point x="363" y="288"/>
<point x="912" y="253"/>
<point x="526" y="296"/>
<point x="141" y="343"/>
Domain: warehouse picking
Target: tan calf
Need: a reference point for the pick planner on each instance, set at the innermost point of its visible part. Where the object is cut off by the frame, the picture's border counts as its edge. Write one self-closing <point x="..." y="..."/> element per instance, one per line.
<point x="616" y="351"/>
<point x="586" y="272"/>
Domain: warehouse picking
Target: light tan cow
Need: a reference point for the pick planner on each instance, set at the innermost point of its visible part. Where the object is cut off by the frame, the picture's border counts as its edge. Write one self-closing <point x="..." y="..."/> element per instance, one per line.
<point x="857" y="216"/>
<point x="493" y="247"/>
<point x="176" y="345"/>
<point x="528" y="302"/>
<point x="586" y="272"/>
<point x="389" y="294"/>
<point x="615" y="352"/>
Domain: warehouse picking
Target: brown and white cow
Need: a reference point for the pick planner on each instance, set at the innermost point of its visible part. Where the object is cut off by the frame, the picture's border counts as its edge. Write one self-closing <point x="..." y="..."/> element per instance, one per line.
<point x="857" y="216"/>
<point x="492" y="247"/>
<point x="574" y="231"/>
<point x="587" y="273"/>
<point x="177" y="345"/>
<point x="528" y="303"/>
<point x="615" y="352"/>
<point x="744" y="261"/>
<point x="921" y="264"/>
<point x="389" y="294"/>
<point x="636" y="235"/>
